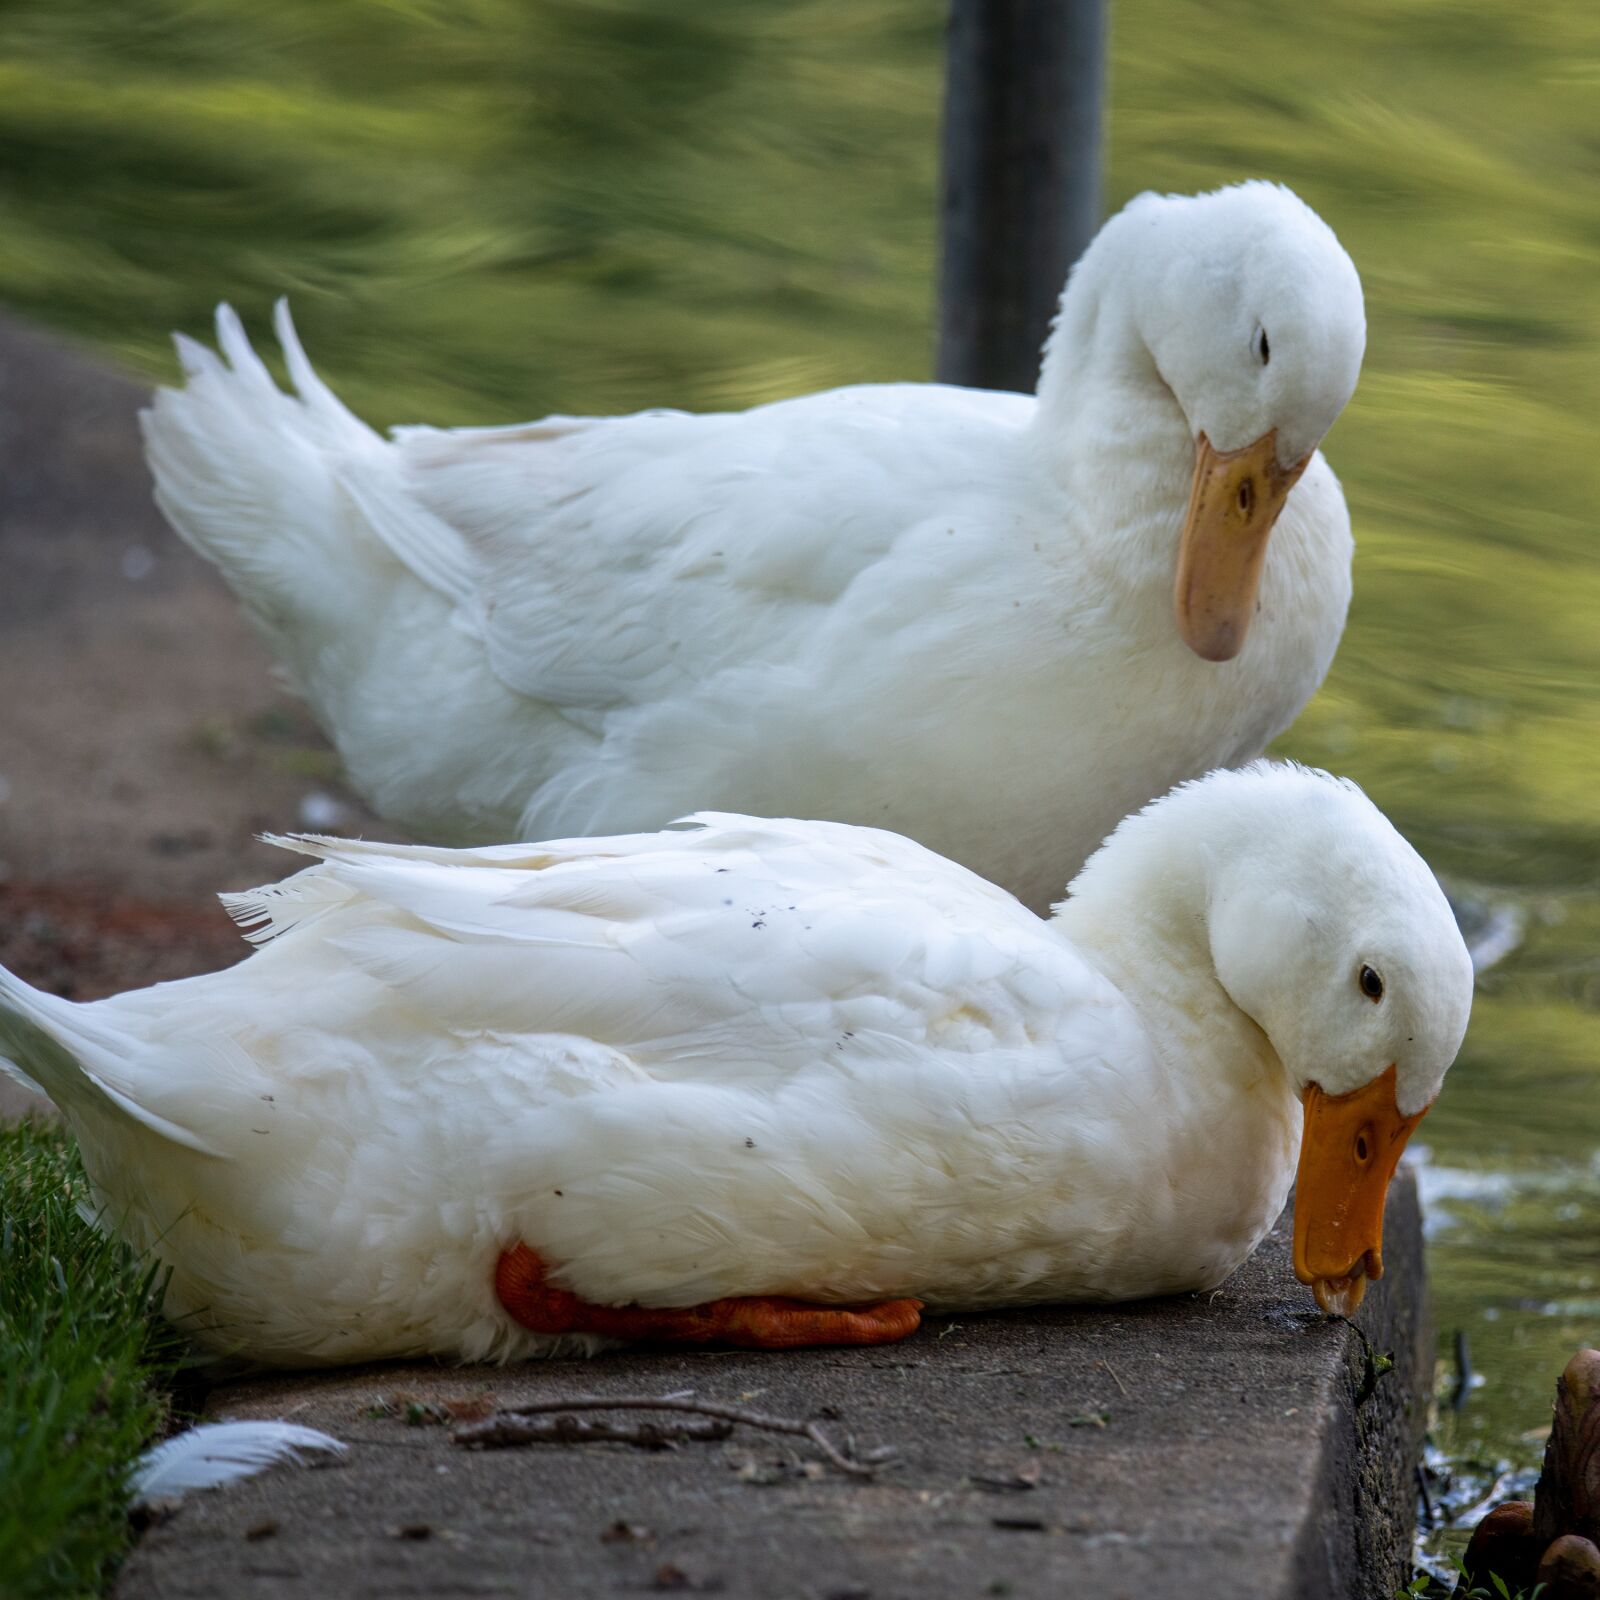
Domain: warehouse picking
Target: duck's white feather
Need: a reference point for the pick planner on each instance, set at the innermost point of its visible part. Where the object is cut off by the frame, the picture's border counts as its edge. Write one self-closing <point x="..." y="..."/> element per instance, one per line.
<point x="211" y="1455"/>
<point x="86" y="1066"/>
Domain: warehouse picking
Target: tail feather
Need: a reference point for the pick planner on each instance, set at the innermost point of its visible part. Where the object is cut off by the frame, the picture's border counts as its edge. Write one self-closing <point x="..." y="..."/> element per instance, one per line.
<point x="297" y="500"/>
<point x="66" y="1053"/>
<point x="248" y="476"/>
<point x="26" y="1038"/>
<point x="311" y="389"/>
<point x="234" y="343"/>
<point x="13" y="1069"/>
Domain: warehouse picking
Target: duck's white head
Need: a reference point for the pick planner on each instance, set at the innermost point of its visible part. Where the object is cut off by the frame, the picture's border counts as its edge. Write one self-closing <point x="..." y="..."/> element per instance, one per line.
<point x="1331" y="934"/>
<point x="1250" y="314"/>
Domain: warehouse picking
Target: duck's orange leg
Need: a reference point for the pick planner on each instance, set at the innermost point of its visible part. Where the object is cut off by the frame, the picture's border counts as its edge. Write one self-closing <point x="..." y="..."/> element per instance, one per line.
<point x="754" y="1322"/>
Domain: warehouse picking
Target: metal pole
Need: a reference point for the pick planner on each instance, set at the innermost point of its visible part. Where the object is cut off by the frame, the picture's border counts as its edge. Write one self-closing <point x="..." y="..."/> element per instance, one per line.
<point x="1023" y="93"/>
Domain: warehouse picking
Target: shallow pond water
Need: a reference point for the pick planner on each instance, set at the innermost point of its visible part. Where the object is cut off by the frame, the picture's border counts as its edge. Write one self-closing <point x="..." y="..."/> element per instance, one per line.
<point x="495" y="208"/>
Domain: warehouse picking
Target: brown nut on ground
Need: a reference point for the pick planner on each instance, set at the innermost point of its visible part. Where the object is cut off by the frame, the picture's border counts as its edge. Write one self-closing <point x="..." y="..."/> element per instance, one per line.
<point x="1503" y="1543"/>
<point x="1569" y="1570"/>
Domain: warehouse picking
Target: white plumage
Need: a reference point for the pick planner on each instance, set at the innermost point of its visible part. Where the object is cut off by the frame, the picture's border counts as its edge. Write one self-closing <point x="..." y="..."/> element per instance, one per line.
<point x="211" y="1455"/>
<point x="942" y="611"/>
<point x="748" y="1058"/>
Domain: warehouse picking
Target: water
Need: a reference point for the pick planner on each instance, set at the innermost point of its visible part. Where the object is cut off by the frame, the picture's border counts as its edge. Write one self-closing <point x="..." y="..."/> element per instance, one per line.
<point x="488" y="209"/>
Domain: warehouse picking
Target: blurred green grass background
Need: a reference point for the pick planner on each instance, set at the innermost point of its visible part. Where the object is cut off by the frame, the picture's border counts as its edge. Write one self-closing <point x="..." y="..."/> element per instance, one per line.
<point x="491" y="209"/>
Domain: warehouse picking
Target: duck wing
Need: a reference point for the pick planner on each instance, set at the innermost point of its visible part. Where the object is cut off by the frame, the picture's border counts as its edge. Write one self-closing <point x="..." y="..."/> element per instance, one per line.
<point x="612" y="561"/>
<point x="744" y="1057"/>
<point x="735" y="946"/>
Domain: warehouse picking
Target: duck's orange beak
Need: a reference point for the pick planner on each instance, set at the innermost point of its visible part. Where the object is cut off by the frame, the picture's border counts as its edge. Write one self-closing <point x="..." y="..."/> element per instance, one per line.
<point x="1348" y="1153"/>
<point x="1234" y="500"/>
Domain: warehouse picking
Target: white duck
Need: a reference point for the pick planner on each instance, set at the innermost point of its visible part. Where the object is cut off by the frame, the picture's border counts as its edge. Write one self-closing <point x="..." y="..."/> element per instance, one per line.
<point x="717" y="1084"/>
<point x="943" y="611"/>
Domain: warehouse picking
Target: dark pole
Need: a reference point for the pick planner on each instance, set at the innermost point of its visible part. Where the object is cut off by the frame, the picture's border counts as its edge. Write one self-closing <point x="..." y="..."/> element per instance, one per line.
<point x="1023" y="92"/>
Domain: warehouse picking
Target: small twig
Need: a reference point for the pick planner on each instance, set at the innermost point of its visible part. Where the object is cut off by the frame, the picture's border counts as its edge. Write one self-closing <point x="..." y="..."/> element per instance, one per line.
<point x="1374" y="1363"/>
<point x="1114" y="1378"/>
<point x="506" y="1430"/>
<point x="734" y="1415"/>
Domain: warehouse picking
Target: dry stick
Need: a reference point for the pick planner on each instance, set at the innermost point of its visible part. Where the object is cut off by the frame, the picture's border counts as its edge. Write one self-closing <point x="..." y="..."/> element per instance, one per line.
<point x="703" y="1408"/>
<point x="1115" y="1379"/>
<point x="504" y="1430"/>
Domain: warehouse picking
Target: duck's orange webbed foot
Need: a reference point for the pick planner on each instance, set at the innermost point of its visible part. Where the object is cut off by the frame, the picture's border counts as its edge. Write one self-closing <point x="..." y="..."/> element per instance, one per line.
<point x="753" y="1322"/>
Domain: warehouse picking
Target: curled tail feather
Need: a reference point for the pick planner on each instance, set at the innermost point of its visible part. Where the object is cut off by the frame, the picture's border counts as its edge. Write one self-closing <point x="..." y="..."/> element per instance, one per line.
<point x="298" y="501"/>
<point x="248" y="476"/>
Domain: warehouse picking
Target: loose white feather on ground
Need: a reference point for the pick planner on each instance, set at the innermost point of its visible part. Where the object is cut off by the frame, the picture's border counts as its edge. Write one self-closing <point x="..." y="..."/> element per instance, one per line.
<point x="212" y="1454"/>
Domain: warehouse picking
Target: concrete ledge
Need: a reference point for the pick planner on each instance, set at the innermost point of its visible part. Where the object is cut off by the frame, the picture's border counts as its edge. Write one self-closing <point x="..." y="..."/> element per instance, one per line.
<point x="1248" y="1449"/>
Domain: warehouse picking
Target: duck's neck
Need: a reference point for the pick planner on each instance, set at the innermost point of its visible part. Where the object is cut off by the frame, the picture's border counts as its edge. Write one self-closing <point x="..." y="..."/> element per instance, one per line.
<point x="1140" y="913"/>
<point x="1107" y="431"/>
<point x="1217" y="1131"/>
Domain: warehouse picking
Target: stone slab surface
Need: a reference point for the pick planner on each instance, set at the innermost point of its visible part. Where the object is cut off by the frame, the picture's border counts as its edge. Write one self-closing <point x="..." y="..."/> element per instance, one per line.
<point x="1235" y="1446"/>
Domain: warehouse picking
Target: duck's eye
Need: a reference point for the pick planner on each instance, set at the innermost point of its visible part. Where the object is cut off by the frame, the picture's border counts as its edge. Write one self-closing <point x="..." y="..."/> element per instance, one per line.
<point x="1371" y="985"/>
<point x="1262" y="349"/>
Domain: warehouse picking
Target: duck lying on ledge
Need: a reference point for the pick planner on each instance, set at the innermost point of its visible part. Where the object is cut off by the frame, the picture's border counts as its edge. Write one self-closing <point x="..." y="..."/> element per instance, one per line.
<point x="996" y="623"/>
<point x="767" y="1083"/>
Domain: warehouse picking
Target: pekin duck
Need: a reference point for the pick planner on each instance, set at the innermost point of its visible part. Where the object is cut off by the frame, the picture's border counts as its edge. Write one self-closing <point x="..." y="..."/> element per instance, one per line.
<point x="993" y="622"/>
<point x="767" y="1083"/>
